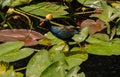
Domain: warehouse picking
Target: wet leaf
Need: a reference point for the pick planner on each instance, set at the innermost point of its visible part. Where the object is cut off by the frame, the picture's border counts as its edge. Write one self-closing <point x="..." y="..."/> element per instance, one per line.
<point x="10" y="47"/>
<point x="57" y="69"/>
<point x="38" y="63"/>
<point x="44" y="8"/>
<point x="16" y="55"/>
<point x="29" y="37"/>
<point x="81" y="36"/>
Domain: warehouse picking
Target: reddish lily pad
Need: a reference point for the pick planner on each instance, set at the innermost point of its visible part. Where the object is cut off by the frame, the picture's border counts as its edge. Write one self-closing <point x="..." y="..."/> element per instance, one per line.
<point x="29" y="37"/>
<point x="93" y="26"/>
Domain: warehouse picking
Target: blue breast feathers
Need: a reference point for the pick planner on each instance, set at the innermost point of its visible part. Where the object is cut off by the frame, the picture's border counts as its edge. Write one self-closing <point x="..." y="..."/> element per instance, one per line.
<point x="62" y="32"/>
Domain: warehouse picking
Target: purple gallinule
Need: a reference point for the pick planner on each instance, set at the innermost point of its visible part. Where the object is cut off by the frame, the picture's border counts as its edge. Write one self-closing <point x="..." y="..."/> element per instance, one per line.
<point x="62" y="32"/>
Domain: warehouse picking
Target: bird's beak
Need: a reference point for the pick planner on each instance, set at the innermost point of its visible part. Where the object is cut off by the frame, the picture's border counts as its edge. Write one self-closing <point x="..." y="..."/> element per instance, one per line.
<point x="42" y="23"/>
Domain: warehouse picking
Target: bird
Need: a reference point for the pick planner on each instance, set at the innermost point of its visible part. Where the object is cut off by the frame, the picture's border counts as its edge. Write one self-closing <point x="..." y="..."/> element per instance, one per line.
<point x="62" y="32"/>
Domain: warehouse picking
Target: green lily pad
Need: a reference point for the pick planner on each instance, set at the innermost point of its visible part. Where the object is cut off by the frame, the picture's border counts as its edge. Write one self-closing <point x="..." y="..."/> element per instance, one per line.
<point x="76" y="59"/>
<point x="44" y="8"/>
<point x="10" y="47"/>
<point x="49" y="40"/>
<point x="100" y="47"/>
<point x="73" y="72"/>
<point x="90" y="3"/>
<point x="57" y="69"/>
<point x="38" y="63"/>
<point x="16" y="55"/>
<point x="81" y="36"/>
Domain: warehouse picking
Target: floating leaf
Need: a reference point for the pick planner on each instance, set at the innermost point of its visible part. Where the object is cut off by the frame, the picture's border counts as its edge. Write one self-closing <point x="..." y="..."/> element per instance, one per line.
<point x="113" y="49"/>
<point x="97" y="41"/>
<point x="100" y="47"/>
<point x="101" y="36"/>
<point x="62" y="46"/>
<point x="29" y="37"/>
<point x="49" y="40"/>
<point x="10" y="47"/>
<point x="57" y="69"/>
<point x="81" y="36"/>
<point x="93" y="26"/>
<point x="44" y="8"/>
<point x="46" y="42"/>
<point x="116" y="40"/>
<point x="56" y="56"/>
<point x="76" y="59"/>
<point x="38" y="63"/>
<point x="16" y="55"/>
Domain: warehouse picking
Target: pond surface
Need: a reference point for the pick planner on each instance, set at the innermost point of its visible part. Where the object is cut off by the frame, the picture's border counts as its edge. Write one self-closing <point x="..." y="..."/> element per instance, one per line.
<point x="101" y="66"/>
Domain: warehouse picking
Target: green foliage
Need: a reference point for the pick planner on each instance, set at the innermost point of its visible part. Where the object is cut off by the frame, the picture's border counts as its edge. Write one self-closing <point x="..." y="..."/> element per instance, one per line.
<point x="107" y="15"/>
<point x="49" y="40"/>
<point x="100" y="47"/>
<point x="55" y="57"/>
<point x="76" y="59"/>
<point x="57" y="69"/>
<point x="81" y="36"/>
<point x="4" y="72"/>
<point x="90" y="3"/>
<point x="118" y="27"/>
<point x="10" y="51"/>
<point x="17" y="55"/>
<point x="10" y="47"/>
<point x="38" y="64"/>
<point x="13" y="3"/>
<point x="52" y="63"/>
<point x="73" y="72"/>
<point x="44" y="8"/>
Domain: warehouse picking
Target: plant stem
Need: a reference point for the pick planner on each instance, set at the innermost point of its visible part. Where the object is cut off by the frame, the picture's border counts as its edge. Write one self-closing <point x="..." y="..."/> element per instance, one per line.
<point x="108" y="27"/>
<point x="4" y="19"/>
<point x="29" y="21"/>
<point x="20" y="69"/>
<point x="40" y="18"/>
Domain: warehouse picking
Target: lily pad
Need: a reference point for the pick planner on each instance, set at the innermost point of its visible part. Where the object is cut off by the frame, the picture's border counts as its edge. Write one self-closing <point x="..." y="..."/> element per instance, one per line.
<point x="44" y="8"/>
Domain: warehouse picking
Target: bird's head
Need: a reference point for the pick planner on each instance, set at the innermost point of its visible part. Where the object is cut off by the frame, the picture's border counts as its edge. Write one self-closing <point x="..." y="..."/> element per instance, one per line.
<point x="46" y="22"/>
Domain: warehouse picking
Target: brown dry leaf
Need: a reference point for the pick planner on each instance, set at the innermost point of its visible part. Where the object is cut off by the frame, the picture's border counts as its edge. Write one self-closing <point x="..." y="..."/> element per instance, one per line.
<point x="30" y="37"/>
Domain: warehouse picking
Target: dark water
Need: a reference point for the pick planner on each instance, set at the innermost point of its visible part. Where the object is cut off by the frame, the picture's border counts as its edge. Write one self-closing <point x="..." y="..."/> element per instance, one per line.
<point x="101" y="66"/>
